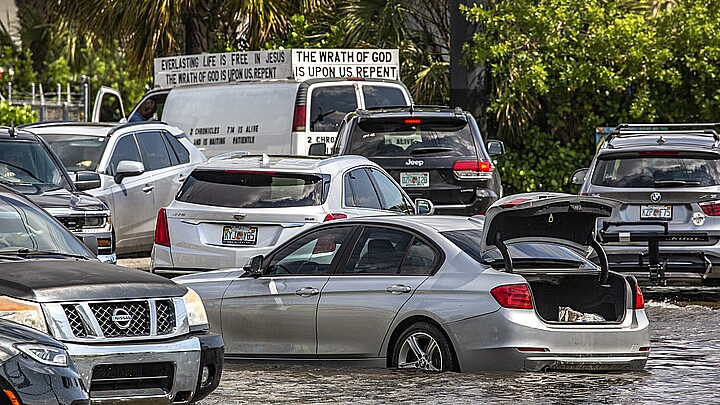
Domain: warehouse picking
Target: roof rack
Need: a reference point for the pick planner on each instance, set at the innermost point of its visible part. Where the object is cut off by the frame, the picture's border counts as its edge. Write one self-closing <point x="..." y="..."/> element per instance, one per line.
<point x="707" y="128"/>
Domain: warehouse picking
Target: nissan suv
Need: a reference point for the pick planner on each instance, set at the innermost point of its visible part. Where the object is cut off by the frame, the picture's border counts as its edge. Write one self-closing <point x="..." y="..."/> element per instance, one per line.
<point x="436" y="153"/>
<point x="667" y="231"/>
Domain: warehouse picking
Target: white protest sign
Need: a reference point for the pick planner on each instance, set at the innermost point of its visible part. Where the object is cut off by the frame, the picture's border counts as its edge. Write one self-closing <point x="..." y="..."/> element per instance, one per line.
<point x="367" y="63"/>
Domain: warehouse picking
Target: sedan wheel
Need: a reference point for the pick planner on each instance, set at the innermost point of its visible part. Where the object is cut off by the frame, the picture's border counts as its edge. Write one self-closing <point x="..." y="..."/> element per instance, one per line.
<point x="423" y="346"/>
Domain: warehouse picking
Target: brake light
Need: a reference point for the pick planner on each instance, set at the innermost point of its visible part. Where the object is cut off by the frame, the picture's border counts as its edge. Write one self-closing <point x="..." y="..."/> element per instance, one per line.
<point x="515" y="296"/>
<point x="413" y="121"/>
<point x="333" y="216"/>
<point x="639" y="299"/>
<point x="711" y="208"/>
<point x="473" y="169"/>
<point x="162" y="234"/>
<point x="515" y="202"/>
<point x="250" y="171"/>
<point x="355" y="79"/>
<point x="299" y="118"/>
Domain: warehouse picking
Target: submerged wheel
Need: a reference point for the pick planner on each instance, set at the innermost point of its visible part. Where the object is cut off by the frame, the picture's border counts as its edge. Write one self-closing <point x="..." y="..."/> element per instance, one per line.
<point x="423" y="346"/>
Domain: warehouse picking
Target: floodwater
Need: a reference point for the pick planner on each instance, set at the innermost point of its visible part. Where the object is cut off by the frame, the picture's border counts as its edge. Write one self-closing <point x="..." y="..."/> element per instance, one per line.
<point x="684" y="368"/>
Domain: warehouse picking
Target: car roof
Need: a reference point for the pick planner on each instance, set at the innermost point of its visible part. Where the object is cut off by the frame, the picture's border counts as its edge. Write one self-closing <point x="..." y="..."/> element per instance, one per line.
<point x="414" y="110"/>
<point x="438" y="223"/>
<point x="16" y="133"/>
<point x="663" y="137"/>
<point x="90" y="128"/>
<point x="285" y="163"/>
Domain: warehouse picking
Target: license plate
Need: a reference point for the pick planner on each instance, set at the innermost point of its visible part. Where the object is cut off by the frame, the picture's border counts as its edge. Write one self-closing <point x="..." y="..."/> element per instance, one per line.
<point x="239" y="235"/>
<point x="421" y="179"/>
<point x="663" y="212"/>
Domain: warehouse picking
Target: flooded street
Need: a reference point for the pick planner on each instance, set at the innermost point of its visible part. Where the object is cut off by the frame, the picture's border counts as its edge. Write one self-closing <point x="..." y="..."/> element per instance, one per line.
<point x="684" y="367"/>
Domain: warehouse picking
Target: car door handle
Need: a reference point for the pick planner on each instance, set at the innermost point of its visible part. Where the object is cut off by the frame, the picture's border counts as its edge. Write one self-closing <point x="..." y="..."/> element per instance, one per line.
<point x="307" y="291"/>
<point x="181" y="178"/>
<point x="398" y="288"/>
<point x="148" y="188"/>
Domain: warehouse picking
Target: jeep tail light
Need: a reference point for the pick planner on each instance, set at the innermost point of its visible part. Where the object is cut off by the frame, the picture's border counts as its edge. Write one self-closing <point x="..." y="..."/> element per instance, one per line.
<point x="473" y="169"/>
<point x="516" y="296"/>
<point x="413" y="121"/>
<point x="711" y="208"/>
<point x="333" y="216"/>
<point x="162" y="234"/>
<point x="639" y="299"/>
<point x="299" y="118"/>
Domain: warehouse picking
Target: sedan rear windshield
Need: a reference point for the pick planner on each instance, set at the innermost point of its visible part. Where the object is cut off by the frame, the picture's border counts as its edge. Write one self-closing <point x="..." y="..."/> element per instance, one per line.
<point x="239" y="189"/>
<point x="657" y="171"/>
<point x="410" y="136"/>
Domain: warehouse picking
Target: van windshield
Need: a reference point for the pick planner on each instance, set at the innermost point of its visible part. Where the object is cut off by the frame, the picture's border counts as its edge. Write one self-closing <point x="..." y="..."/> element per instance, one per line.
<point x="252" y="189"/>
<point x="78" y="152"/>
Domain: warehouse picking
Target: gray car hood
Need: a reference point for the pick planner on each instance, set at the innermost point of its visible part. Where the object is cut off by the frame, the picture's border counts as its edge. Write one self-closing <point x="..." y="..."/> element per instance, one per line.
<point x="570" y="219"/>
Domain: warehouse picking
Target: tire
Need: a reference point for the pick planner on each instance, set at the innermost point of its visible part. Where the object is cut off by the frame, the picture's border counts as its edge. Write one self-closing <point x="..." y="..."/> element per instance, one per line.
<point x="423" y="346"/>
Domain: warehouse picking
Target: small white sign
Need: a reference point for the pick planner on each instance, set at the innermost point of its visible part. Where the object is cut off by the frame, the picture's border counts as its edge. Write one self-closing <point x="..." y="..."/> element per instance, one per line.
<point x="366" y="63"/>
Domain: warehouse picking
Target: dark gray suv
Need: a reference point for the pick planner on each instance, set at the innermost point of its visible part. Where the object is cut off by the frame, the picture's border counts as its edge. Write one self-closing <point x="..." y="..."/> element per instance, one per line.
<point x="667" y="231"/>
<point x="435" y="153"/>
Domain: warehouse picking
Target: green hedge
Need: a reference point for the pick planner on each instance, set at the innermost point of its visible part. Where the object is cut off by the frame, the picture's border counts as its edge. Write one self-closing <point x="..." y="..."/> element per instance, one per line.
<point x="15" y="115"/>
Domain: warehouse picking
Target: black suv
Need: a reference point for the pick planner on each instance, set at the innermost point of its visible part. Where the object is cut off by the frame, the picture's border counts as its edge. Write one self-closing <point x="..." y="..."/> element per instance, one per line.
<point x="29" y="166"/>
<point x="435" y="153"/>
<point x="667" y="232"/>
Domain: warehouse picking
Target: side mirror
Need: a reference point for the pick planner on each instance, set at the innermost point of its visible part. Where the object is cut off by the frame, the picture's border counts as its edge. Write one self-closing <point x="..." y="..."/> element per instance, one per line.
<point x="424" y="206"/>
<point x="318" y="149"/>
<point x="578" y="176"/>
<point x="86" y="180"/>
<point x="495" y="148"/>
<point x="254" y="265"/>
<point x="128" y="168"/>
<point x="90" y="241"/>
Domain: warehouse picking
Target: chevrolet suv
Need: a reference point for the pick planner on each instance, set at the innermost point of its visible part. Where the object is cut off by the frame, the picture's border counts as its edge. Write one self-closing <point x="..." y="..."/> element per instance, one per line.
<point x="667" y="231"/>
<point x="436" y="153"/>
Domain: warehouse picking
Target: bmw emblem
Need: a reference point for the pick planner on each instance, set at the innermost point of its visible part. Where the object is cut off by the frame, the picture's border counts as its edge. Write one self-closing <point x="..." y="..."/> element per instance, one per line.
<point x="655" y="197"/>
<point x="121" y="317"/>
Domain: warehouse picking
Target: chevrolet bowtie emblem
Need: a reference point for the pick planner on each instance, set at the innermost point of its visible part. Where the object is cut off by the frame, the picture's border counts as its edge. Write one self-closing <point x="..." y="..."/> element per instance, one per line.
<point x="239" y="217"/>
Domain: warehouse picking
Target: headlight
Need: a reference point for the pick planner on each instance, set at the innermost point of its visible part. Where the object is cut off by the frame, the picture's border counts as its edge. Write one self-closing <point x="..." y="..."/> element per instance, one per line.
<point x="23" y="312"/>
<point x="197" y="318"/>
<point x="50" y="355"/>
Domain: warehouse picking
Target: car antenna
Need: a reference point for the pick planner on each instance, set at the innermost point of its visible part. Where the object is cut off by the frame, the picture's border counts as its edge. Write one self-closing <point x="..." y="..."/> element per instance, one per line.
<point x="13" y="132"/>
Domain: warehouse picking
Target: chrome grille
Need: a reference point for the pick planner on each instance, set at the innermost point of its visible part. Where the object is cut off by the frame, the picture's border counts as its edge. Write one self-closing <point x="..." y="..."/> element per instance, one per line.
<point x="139" y="312"/>
<point x="76" y="323"/>
<point x="165" y="317"/>
<point x="136" y="376"/>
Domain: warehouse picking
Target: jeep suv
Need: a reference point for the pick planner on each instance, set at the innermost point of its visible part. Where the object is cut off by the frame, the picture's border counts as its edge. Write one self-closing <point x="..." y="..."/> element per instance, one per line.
<point x="436" y="153"/>
<point x="667" y="231"/>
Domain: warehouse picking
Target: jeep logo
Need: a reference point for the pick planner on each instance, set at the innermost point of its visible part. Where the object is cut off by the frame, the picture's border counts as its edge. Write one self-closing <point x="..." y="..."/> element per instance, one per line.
<point x="417" y="163"/>
<point x="121" y="317"/>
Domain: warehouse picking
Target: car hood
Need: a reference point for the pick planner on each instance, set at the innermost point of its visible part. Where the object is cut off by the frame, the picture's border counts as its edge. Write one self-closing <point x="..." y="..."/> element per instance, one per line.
<point x="65" y="199"/>
<point x="547" y="217"/>
<point x="56" y="280"/>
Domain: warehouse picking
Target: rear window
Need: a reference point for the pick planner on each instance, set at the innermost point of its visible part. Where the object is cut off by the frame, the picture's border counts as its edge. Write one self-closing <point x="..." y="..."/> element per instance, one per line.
<point x="411" y="136"/>
<point x="78" y="152"/>
<point x="252" y="189"/>
<point x="656" y="171"/>
<point x="328" y="106"/>
<point x="379" y="96"/>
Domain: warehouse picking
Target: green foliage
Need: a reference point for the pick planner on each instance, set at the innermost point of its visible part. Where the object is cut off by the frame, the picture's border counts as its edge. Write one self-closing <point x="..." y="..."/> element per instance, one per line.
<point x="15" y="115"/>
<point x="303" y="34"/>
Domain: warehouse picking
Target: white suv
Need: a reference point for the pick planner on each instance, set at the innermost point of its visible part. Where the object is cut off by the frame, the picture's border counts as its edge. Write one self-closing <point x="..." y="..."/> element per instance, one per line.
<point x="233" y="208"/>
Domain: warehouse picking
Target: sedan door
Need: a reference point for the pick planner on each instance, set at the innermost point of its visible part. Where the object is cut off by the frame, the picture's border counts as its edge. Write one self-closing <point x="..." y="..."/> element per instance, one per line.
<point x="274" y="315"/>
<point x="360" y="301"/>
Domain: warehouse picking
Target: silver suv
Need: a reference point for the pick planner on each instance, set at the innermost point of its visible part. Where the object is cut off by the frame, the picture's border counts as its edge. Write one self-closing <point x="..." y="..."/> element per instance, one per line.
<point x="667" y="231"/>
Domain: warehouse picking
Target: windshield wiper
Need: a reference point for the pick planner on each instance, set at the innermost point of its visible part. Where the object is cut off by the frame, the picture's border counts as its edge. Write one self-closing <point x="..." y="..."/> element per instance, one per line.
<point x="428" y="150"/>
<point x="675" y="183"/>
<point x="36" y="252"/>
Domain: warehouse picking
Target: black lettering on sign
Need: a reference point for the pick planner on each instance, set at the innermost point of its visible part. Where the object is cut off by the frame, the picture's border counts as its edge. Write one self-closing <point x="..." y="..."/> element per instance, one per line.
<point x="230" y="130"/>
<point x="243" y="139"/>
<point x="217" y="141"/>
<point x="251" y="128"/>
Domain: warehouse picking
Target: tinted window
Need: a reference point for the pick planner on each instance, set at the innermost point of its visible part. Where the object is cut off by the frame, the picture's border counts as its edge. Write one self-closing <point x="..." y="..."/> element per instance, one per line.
<point x="125" y="149"/>
<point x="28" y="167"/>
<point x="656" y="171"/>
<point x="110" y="110"/>
<point x="153" y="149"/>
<point x="378" y="96"/>
<point x="182" y="154"/>
<point x="310" y="255"/>
<point x="251" y="189"/>
<point x="398" y="137"/>
<point x="78" y="152"/>
<point x="392" y="197"/>
<point x="328" y="106"/>
<point x="420" y="259"/>
<point x="378" y="251"/>
<point x="359" y="190"/>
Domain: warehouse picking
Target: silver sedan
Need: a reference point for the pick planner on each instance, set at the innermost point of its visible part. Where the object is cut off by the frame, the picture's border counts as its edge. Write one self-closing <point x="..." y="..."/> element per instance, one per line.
<point x="510" y="291"/>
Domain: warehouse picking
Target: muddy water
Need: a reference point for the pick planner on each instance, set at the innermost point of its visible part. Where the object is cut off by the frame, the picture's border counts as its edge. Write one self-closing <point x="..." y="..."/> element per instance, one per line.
<point x="684" y="367"/>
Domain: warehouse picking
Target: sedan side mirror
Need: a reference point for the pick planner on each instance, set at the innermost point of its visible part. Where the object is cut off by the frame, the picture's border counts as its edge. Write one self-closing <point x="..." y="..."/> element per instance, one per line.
<point x="254" y="266"/>
<point x="495" y="148"/>
<point x="578" y="176"/>
<point x="424" y="206"/>
<point x="318" y="149"/>
<point x="128" y="168"/>
<point x="86" y="180"/>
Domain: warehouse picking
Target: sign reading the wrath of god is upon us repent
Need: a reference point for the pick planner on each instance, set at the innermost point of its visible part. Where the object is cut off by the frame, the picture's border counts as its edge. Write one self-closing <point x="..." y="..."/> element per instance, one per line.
<point x="299" y="64"/>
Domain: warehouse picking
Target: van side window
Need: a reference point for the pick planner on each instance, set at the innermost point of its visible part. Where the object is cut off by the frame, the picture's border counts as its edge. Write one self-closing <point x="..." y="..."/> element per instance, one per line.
<point x="183" y="156"/>
<point x="359" y="190"/>
<point x="125" y="149"/>
<point x="153" y="149"/>
<point x="378" y="96"/>
<point x="328" y="106"/>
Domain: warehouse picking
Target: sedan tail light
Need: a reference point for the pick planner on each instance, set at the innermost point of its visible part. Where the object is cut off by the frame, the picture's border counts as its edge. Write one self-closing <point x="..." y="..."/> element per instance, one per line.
<point x="473" y="169"/>
<point x="639" y="299"/>
<point x="332" y="216"/>
<point x="162" y="234"/>
<point x="711" y="208"/>
<point x="517" y="296"/>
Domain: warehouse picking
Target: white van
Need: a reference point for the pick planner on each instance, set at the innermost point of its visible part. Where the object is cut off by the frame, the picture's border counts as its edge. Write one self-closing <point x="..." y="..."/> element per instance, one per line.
<point x="276" y="114"/>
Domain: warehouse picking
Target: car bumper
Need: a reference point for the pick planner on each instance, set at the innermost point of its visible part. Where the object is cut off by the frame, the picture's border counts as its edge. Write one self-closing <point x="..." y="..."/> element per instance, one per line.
<point x="132" y="373"/>
<point x="483" y="199"/>
<point x="517" y="340"/>
<point x="35" y="383"/>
